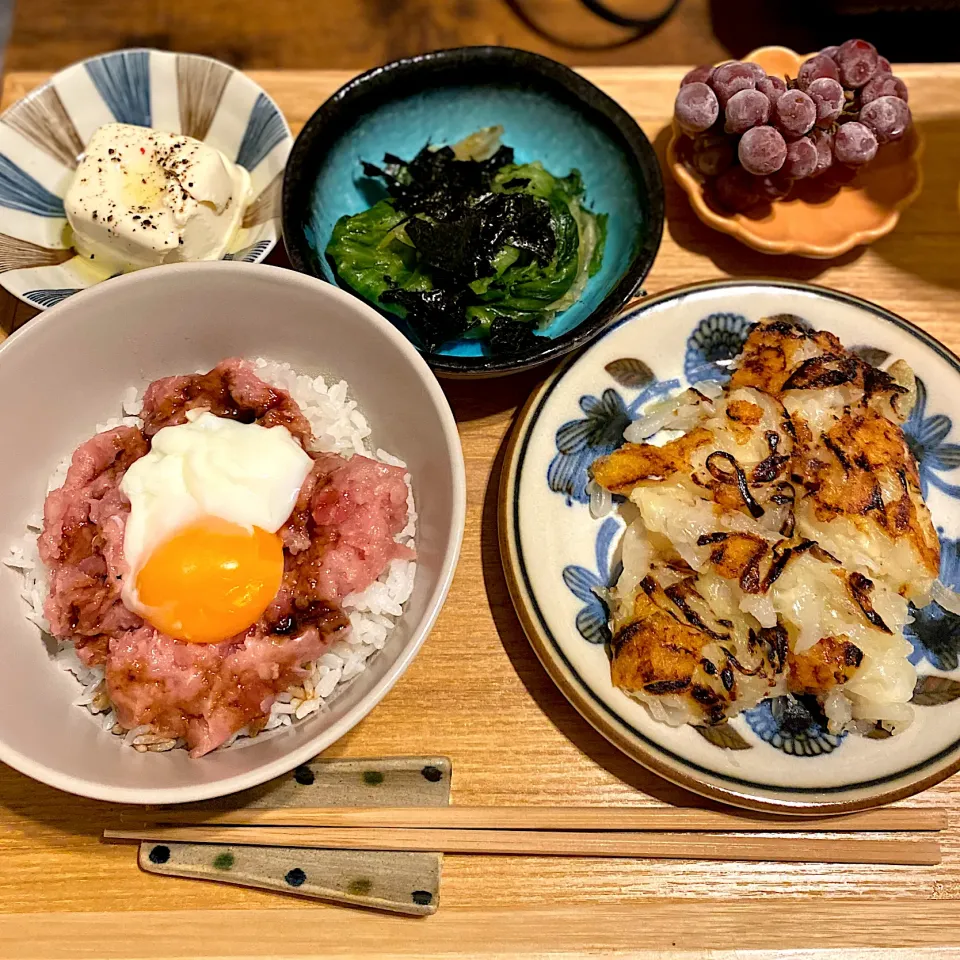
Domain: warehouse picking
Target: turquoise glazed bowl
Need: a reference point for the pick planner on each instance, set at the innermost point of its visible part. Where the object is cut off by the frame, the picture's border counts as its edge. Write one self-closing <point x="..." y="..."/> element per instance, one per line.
<point x="548" y="112"/>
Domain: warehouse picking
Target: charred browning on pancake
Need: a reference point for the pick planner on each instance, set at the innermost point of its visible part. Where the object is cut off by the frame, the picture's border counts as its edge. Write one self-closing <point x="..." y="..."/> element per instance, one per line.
<point x="902" y="511"/>
<point x="860" y="590"/>
<point x="877" y="381"/>
<point x="725" y="623"/>
<point x="635" y="463"/>
<point x="743" y="411"/>
<point x="708" y="538"/>
<point x="738" y="477"/>
<point x="623" y="636"/>
<point x="776" y="642"/>
<point x="737" y="556"/>
<point x="739" y="667"/>
<point x="876" y="503"/>
<point x="709" y="667"/>
<point x="711" y="701"/>
<point x="829" y="663"/>
<point x="727" y="679"/>
<point x="678" y="594"/>
<point x="769" y="469"/>
<point x="817" y="373"/>
<point x="660" y="687"/>
<point x="743" y="416"/>
<point x="838" y="452"/>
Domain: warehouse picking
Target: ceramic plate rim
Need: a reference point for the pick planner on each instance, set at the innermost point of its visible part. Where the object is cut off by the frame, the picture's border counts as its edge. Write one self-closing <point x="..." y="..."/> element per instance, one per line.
<point x="618" y="731"/>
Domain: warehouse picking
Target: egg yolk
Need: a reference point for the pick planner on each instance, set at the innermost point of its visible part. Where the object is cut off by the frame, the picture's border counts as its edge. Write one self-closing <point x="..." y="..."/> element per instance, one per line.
<point x="211" y="580"/>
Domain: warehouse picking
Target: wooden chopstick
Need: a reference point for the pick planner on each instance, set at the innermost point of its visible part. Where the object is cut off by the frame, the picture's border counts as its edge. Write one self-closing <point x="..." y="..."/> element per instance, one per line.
<point x="559" y="818"/>
<point x="693" y="846"/>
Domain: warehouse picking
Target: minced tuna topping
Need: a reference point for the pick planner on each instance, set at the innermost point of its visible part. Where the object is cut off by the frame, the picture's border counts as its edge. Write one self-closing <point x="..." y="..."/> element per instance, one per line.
<point x="338" y="540"/>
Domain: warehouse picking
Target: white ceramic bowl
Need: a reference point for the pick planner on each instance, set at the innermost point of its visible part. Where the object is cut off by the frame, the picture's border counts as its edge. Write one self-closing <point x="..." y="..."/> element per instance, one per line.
<point x="43" y="135"/>
<point x="65" y="371"/>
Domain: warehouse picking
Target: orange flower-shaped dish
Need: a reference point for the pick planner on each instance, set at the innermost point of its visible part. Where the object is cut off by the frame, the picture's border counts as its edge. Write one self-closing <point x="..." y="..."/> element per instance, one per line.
<point x="808" y="223"/>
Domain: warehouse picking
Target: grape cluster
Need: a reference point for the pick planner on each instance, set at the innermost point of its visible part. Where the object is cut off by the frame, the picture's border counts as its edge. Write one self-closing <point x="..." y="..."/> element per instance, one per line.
<point x="754" y="135"/>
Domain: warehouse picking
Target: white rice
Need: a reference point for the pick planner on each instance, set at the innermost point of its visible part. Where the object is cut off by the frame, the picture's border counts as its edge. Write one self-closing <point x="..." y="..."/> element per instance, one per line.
<point x="339" y="427"/>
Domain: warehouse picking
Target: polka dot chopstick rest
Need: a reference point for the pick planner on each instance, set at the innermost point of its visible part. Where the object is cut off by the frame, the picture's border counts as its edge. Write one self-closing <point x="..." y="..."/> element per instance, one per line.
<point x="400" y="882"/>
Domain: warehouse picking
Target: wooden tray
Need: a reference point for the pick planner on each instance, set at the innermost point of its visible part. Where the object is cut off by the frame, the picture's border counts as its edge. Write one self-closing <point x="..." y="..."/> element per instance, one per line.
<point x="477" y="694"/>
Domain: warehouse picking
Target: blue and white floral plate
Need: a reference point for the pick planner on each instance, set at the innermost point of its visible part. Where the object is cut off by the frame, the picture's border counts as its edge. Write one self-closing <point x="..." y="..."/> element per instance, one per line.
<point x="43" y="135"/>
<point x="773" y="757"/>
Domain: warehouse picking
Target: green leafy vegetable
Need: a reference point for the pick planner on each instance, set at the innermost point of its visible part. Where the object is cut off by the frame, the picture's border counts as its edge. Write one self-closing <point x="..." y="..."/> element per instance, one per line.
<point x="471" y="243"/>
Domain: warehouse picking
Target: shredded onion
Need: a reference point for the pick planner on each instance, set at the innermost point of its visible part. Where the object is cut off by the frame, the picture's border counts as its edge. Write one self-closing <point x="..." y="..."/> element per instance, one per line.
<point x="947" y="598"/>
<point x="709" y="388"/>
<point x="601" y="500"/>
<point x="652" y="420"/>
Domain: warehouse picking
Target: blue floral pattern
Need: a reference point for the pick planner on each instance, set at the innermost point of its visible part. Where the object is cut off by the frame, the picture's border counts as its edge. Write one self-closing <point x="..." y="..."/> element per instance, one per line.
<point x="715" y="342"/>
<point x="580" y="442"/>
<point x="794" y="726"/>
<point x="935" y="632"/>
<point x="926" y="437"/>
<point x="789" y="725"/>
<point x="583" y="584"/>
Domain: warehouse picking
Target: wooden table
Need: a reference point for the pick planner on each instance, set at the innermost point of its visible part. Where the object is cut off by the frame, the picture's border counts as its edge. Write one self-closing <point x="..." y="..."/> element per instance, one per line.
<point x="477" y="694"/>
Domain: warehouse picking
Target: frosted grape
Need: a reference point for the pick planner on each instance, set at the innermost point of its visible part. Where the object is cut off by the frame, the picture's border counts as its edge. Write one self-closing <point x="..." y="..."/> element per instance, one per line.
<point x="801" y="159"/>
<point x="854" y="144"/>
<point x="699" y="74"/>
<point x="772" y="88"/>
<point x="887" y="117"/>
<point x="823" y="141"/>
<point x="731" y="78"/>
<point x="858" y="61"/>
<point x="746" y="109"/>
<point x="827" y="96"/>
<point x="696" y="107"/>
<point x="884" y="85"/>
<point x="794" y="113"/>
<point x="762" y="151"/>
<point x="814" y="69"/>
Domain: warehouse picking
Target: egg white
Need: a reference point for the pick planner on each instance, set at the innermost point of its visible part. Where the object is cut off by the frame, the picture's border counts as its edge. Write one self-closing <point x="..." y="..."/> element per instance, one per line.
<point x="208" y="467"/>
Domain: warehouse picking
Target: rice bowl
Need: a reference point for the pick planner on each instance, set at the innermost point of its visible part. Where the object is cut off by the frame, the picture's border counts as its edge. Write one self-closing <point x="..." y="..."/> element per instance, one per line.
<point x="133" y="331"/>
<point x="338" y="427"/>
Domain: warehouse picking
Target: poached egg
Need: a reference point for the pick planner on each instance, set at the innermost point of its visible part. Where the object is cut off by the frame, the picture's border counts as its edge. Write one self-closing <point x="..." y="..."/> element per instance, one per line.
<point x="201" y="545"/>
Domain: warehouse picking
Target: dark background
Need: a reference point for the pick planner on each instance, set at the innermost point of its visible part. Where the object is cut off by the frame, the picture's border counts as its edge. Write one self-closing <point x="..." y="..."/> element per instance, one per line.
<point x="355" y="34"/>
